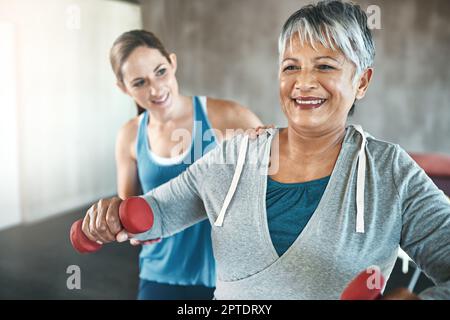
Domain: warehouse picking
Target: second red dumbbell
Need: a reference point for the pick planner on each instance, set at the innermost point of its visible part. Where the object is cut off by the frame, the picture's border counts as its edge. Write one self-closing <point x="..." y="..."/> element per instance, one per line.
<point x="360" y="289"/>
<point x="135" y="215"/>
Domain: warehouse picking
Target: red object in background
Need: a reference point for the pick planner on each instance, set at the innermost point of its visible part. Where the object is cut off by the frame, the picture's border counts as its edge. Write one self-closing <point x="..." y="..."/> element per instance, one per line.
<point x="437" y="167"/>
<point x="363" y="288"/>
<point x="135" y="215"/>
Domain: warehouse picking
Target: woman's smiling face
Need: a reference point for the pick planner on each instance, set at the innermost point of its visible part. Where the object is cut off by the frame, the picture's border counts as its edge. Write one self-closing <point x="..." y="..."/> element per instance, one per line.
<point x="149" y="78"/>
<point x="317" y="89"/>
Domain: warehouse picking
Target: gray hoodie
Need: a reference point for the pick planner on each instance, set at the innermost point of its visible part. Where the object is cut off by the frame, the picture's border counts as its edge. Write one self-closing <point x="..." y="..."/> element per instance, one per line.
<point x="361" y="220"/>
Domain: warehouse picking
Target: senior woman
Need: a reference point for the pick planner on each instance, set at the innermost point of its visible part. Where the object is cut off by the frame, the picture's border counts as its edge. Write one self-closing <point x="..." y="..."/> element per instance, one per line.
<point x="298" y="212"/>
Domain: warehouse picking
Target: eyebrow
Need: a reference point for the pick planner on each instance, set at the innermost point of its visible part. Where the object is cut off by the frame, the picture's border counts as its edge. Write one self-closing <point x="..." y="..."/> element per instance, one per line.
<point x="317" y="58"/>
<point x="293" y="59"/>
<point x="159" y="65"/>
<point x="327" y="57"/>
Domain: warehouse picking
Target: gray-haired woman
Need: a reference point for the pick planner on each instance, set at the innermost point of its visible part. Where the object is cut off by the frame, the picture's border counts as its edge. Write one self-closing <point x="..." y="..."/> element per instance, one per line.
<point x="340" y="200"/>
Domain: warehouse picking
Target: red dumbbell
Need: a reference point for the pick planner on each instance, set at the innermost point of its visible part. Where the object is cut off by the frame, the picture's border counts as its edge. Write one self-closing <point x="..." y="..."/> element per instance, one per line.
<point x="359" y="288"/>
<point x="135" y="215"/>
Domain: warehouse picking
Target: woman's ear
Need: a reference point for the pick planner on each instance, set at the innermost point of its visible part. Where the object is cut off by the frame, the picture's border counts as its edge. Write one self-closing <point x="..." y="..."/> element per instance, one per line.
<point x="173" y="61"/>
<point x="363" y="83"/>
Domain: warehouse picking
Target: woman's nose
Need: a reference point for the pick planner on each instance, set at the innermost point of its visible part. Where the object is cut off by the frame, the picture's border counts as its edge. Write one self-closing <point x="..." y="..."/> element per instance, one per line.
<point x="305" y="81"/>
<point x="154" y="91"/>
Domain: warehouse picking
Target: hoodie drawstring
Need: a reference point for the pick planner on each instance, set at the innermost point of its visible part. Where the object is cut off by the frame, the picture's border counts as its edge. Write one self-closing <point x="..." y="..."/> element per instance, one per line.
<point x="234" y="182"/>
<point x="360" y="182"/>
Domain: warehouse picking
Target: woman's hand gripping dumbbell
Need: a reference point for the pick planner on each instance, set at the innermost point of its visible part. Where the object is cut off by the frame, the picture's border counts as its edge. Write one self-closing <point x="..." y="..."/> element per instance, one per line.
<point x="111" y="220"/>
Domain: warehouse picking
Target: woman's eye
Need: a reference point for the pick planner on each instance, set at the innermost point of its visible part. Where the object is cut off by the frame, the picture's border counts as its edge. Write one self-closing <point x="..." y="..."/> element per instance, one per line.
<point x="161" y="72"/>
<point x="325" y="67"/>
<point x="290" y="68"/>
<point x="139" y="83"/>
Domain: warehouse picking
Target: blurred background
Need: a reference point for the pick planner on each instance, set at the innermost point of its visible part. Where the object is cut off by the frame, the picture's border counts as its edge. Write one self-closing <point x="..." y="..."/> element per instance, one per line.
<point x="61" y="111"/>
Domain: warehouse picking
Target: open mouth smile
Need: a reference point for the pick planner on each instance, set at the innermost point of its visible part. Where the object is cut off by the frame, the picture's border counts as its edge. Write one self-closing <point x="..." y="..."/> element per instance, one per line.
<point x="308" y="103"/>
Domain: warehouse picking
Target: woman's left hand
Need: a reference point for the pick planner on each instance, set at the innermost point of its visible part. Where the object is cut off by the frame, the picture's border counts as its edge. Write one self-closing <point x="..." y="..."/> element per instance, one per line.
<point x="254" y="133"/>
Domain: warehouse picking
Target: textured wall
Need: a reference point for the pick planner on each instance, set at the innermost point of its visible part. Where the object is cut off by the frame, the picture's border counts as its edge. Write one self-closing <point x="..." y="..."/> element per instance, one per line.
<point x="229" y="49"/>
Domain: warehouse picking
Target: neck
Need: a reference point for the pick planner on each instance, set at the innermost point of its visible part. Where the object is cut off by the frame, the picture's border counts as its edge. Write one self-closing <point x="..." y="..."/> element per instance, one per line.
<point x="306" y="147"/>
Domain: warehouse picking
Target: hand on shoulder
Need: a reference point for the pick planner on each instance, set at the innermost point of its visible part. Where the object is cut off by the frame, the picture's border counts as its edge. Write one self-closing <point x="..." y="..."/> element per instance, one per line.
<point x="230" y="118"/>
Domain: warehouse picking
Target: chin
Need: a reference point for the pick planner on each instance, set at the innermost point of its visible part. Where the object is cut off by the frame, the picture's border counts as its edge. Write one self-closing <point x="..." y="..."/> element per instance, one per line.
<point x="305" y="124"/>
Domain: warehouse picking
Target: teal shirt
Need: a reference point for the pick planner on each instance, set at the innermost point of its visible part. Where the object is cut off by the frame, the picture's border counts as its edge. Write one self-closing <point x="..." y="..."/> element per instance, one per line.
<point x="289" y="207"/>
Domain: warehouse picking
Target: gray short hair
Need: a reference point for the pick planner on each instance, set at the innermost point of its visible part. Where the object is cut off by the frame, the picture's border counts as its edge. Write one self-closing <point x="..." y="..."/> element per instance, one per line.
<point x="335" y="24"/>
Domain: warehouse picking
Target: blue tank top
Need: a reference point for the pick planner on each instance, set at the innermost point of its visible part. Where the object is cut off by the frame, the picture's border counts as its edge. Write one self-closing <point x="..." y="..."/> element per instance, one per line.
<point x="185" y="258"/>
<point x="289" y="207"/>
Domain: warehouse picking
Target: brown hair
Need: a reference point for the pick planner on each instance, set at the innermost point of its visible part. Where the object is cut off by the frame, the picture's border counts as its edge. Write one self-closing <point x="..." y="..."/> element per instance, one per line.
<point x="125" y="45"/>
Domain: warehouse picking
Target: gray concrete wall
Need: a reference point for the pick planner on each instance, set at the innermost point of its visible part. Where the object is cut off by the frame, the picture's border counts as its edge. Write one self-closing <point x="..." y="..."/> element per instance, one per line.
<point x="228" y="49"/>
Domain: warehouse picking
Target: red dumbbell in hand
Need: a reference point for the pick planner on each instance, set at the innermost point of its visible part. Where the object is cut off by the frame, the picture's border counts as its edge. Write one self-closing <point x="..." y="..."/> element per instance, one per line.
<point x="366" y="286"/>
<point x="135" y="215"/>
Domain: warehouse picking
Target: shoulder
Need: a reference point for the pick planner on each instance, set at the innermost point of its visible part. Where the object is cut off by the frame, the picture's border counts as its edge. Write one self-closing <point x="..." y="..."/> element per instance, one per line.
<point x="126" y="137"/>
<point x="218" y="108"/>
<point x="390" y="162"/>
<point x="227" y="114"/>
<point x="382" y="149"/>
<point x="379" y="150"/>
<point x="222" y="106"/>
<point x="129" y="130"/>
<point x="389" y="155"/>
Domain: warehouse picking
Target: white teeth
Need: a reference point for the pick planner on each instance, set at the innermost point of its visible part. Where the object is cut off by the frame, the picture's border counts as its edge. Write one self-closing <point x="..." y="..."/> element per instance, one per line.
<point x="309" y="101"/>
<point x="161" y="100"/>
